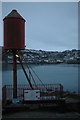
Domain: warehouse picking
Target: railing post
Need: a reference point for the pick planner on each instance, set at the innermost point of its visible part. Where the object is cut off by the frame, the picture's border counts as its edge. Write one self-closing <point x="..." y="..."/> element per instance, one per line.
<point x="4" y="96"/>
<point x="61" y="91"/>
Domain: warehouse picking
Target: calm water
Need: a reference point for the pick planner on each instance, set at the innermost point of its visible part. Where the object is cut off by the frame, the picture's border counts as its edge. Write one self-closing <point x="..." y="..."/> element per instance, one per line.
<point x="66" y="74"/>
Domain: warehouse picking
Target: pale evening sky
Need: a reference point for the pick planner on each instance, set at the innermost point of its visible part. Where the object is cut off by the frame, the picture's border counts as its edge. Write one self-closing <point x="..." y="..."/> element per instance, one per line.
<point x="49" y="26"/>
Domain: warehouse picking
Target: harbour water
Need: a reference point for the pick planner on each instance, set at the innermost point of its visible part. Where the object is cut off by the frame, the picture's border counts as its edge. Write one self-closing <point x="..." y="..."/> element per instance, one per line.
<point x="66" y="74"/>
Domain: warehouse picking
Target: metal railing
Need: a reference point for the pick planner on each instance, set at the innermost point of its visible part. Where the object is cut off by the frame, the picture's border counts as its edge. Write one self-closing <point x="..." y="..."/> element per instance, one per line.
<point x="50" y="90"/>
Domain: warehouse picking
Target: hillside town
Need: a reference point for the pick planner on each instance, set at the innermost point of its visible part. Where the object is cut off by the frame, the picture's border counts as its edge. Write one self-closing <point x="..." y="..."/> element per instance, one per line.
<point x="45" y="57"/>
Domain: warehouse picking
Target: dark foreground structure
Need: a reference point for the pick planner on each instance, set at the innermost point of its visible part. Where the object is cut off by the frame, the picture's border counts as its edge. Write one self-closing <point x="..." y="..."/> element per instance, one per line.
<point x="69" y="109"/>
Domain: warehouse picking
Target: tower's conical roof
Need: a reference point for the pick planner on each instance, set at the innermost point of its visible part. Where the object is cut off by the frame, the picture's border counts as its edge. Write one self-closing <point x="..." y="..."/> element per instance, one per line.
<point x="14" y="14"/>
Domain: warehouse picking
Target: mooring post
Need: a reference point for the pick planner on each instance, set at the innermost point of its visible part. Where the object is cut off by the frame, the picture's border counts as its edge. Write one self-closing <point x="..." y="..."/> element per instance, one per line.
<point x="14" y="75"/>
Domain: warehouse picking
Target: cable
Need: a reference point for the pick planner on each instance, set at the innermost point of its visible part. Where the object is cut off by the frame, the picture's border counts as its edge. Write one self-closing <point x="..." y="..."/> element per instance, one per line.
<point x="29" y="71"/>
<point x="24" y="70"/>
<point x="35" y="73"/>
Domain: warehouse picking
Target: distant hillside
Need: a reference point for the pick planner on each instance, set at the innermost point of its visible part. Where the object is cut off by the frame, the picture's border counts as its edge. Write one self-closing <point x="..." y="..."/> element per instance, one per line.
<point x="47" y="57"/>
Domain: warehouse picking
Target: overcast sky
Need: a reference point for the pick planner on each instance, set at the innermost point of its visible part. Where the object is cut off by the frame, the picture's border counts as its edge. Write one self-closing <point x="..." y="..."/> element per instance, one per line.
<point x="49" y="26"/>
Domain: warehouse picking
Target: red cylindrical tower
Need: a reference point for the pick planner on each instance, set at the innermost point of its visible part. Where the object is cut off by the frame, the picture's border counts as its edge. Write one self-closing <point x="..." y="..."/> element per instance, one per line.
<point x="14" y="31"/>
<point x="14" y="39"/>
